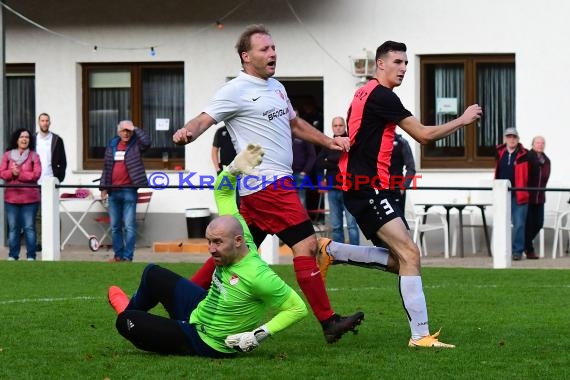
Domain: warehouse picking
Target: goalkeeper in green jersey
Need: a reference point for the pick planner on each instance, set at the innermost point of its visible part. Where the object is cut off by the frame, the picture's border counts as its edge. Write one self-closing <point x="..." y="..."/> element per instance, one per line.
<point x="227" y="318"/>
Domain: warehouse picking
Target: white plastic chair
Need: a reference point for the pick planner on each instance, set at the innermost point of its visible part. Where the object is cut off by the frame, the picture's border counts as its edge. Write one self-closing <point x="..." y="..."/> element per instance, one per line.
<point x="556" y="218"/>
<point x="416" y="223"/>
<point x="562" y="225"/>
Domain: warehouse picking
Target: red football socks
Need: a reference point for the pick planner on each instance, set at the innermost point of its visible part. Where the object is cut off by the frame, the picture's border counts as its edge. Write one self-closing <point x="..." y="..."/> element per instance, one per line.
<point x="311" y="283"/>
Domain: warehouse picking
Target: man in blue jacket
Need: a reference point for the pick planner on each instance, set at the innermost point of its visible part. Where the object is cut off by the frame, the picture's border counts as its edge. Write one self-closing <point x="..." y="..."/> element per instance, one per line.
<point x="123" y="172"/>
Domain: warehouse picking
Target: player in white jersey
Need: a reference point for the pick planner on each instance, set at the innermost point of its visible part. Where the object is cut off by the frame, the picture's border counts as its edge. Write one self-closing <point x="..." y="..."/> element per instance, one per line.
<point x="255" y="108"/>
<point x="249" y="105"/>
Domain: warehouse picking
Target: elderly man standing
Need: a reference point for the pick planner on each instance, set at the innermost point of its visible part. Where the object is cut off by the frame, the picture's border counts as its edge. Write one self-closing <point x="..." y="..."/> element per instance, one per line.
<point x="512" y="164"/>
<point x="538" y="174"/>
<point x="123" y="172"/>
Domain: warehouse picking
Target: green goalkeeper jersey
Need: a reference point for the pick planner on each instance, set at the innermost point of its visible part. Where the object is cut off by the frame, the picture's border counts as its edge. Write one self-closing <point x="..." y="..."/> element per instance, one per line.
<point x="240" y="293"/>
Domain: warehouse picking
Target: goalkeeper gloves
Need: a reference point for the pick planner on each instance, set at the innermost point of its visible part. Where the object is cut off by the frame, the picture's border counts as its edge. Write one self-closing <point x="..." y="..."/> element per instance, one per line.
<point x="246" y="161"/>
<point x="247" y="341"/>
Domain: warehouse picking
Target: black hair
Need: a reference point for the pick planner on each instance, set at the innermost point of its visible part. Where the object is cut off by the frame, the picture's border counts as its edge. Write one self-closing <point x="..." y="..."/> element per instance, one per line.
<point x="389" y="46"/>
<point x="13" y="144"/>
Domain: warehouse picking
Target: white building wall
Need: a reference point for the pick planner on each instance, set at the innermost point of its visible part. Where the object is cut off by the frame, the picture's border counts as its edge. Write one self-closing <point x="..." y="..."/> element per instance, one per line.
<point x="535" y="33"/>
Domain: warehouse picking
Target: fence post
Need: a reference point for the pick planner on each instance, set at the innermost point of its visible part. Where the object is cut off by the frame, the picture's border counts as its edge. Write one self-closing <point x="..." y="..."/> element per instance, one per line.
<point x="270" y="249"/>
<point x="501" y="224"/>
<point x="50" y="219"/>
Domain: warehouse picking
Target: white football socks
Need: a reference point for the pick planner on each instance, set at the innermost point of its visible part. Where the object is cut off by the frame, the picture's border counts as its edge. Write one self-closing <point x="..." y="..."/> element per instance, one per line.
<point x="412" y="293"/>
<point x="374" y="257"/>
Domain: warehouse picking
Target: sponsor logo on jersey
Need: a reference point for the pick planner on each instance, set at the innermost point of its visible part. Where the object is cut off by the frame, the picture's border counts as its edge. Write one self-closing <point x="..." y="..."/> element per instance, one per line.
<point x="234" y="279"/>
<point x="273" y="113"/>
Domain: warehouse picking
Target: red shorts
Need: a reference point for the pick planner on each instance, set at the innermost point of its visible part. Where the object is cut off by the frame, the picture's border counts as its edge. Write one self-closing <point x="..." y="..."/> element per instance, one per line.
<point x="274" y="208"/>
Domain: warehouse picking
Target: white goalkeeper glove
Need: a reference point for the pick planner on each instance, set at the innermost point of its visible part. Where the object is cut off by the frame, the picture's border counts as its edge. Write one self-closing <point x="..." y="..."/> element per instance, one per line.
<point x="247" y="341"/>
<point x="246" y="161"/>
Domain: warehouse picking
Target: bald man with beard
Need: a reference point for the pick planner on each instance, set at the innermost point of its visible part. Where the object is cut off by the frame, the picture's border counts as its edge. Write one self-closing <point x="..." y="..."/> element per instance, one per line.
<point x="226" y="319"/>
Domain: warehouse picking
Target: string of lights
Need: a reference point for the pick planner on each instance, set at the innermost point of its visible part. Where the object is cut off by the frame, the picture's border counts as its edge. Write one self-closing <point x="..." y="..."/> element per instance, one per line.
<point x="152" y="49"/>
<point x="97" y="47"/>
<point x="332" y="57"/>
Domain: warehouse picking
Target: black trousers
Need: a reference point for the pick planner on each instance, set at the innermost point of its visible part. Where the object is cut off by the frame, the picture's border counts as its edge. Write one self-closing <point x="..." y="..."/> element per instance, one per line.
<point x="534" y="222"/>
<point x="173" y="335"/>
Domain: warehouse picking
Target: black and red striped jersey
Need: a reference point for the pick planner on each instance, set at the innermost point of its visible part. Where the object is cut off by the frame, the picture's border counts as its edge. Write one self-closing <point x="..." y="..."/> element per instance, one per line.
<point x="371" y="121"/>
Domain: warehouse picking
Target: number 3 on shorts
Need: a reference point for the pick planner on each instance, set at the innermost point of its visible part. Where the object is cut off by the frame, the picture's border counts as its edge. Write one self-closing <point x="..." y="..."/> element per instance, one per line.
<point x="386" y="206"/>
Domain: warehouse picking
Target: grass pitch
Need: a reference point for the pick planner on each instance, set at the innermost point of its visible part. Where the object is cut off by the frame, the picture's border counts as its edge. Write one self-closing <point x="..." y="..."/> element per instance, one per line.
<point x="55" y="323"/>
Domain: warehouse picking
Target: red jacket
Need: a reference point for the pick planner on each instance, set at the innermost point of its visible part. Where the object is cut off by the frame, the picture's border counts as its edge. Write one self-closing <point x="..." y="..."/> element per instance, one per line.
<point x="30" y="172"/>
<point x="521" y="171"/>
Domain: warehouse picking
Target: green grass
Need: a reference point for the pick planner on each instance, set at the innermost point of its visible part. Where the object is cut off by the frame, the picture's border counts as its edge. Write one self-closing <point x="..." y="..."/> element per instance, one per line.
<point x="55" y="323"/>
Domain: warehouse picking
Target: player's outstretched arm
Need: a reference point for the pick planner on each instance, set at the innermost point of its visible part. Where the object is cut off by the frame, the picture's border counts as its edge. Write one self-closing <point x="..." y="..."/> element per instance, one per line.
<point x="307" y="132"/>
<point x="245" y="162"/>
<point x="193" y="129"/>
<point x="425" y="135"/>
<point x="290" y="312"/>
<point x="225" y="186"/>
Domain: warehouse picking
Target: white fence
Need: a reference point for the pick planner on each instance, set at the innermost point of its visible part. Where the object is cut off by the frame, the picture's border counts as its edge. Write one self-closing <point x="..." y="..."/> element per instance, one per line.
<point x="501" y="247"/>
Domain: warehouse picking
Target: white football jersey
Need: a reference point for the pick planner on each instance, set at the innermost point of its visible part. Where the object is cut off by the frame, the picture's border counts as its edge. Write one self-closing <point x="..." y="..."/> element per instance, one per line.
<point x="257" y="111"/>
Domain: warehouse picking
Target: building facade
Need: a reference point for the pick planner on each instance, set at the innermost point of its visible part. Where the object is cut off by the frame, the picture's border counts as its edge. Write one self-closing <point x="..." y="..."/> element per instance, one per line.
<point x="158" y="63"/>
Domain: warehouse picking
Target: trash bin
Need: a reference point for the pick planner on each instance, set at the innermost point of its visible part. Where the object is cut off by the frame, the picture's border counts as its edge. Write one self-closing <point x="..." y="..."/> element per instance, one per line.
<point x="197" y="220"/>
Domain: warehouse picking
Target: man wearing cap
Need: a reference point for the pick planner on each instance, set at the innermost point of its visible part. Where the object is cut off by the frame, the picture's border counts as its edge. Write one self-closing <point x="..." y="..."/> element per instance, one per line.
<point x="122" y="168"/>
<point x="512" y="164"/>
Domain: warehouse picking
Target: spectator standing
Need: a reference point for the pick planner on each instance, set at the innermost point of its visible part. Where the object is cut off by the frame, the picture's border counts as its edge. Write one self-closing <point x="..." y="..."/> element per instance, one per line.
<point x="327" y="160"/>
<point x="223" y="151"/>
<point x="538" y="174"/>
<point x="512" y="164"/>
<point x="21" y="165"/>
<point x="304" y="157"/>
<point x="51" y="150"/>
<point x="402" y="157"/>
<point x="123" y="167"/>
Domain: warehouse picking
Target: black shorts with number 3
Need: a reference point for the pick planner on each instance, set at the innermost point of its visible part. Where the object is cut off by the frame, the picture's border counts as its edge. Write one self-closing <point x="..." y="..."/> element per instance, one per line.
<point x="374" y="208"/>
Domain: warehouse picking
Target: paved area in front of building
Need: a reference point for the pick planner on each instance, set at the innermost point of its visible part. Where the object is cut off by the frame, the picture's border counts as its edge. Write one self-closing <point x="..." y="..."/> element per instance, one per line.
<point x="480" y="260"/>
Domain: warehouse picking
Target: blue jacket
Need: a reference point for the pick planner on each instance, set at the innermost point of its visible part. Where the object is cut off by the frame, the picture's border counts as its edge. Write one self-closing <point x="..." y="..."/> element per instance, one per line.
<point x="138" y="144"/>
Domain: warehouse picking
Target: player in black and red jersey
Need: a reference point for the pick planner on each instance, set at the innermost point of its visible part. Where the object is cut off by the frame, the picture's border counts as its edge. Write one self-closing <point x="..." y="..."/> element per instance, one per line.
<point x="372" y="118"/>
